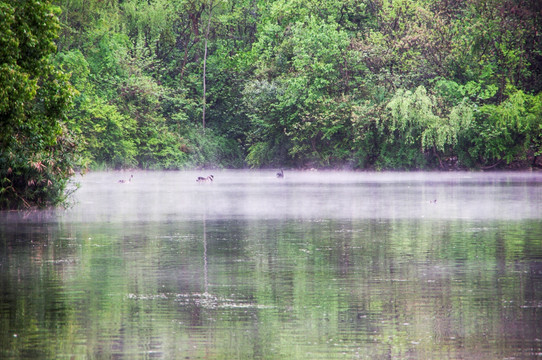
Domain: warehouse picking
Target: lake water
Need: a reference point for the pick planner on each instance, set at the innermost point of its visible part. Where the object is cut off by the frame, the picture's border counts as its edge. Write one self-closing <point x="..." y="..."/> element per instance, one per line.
<point x="318" y="265"/>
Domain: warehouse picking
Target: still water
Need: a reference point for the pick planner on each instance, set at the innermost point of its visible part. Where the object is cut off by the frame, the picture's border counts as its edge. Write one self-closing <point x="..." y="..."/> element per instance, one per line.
<point x="318" y="265"/>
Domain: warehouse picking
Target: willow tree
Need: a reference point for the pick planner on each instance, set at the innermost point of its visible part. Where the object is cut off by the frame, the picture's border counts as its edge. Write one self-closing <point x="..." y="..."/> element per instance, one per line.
<point x="36" y="152"/>
<point x="417" y="120"/>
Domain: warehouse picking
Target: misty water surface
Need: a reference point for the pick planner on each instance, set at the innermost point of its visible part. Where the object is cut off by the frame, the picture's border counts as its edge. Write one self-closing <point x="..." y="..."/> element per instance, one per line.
<point x="260" y="195"/>
<point x="316" y="265"/>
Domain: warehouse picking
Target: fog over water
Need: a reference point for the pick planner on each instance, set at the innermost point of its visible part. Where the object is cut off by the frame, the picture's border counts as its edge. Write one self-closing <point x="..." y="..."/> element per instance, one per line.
<point x="315" y="265"/>
<point x="310" y="194"/>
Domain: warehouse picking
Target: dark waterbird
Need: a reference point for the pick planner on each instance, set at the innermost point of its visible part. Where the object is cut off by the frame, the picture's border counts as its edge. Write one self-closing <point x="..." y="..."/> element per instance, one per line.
<point x="122" y="181"/>
<point x="202" y="179"/>
<point x="280" y="174"/>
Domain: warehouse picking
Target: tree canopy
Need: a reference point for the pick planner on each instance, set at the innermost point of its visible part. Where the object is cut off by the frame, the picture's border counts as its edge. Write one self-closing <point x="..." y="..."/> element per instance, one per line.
<point x="36" y="150"/>
<point x="368" y="84"/>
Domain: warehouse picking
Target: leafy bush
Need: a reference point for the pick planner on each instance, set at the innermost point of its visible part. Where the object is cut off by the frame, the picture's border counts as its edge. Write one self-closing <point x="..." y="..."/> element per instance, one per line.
<point x="509" y="131"/>
<point x="207" y="149"/>
<point x="36" y="149"/>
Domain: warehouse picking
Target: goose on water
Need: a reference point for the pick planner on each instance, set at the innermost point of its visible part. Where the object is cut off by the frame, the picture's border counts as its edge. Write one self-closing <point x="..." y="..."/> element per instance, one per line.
<point x="202" y="179"/>
<point x="122" y="181"/>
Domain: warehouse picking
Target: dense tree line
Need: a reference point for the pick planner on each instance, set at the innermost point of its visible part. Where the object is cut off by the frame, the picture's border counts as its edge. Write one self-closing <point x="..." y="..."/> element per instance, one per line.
<point x="37" y="151"/>
<point x="366" y="84"/>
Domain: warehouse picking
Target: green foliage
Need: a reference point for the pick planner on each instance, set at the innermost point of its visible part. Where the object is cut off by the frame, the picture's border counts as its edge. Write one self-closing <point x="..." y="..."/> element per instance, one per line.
<point x="259" y="154"/>
<point x="267" y="140"/>
<point x="453" y="92"/>
<point x="414" y="117"/>
<point x="509" y="131"/>
<point x="36" y="149"/>
<point x="74" y="63"/>
<point x="108" y="137"/>
<point x="160" y="148"/>
<point x="206" y="149"/>
<point x="367" y="133"/>
<point x="307" y="99"/>
<point x="413" y="129"/>
<point x="107" y="59"/>
<point x="374" y="84"/>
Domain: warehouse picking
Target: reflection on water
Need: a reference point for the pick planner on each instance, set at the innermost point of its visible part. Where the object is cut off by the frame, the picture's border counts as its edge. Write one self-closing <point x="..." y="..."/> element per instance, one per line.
<point x="315" y="265"/>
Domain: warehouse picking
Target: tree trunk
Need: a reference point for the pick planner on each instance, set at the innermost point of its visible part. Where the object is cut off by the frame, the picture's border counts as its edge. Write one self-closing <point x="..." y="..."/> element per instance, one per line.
<point x="205" y="62"/>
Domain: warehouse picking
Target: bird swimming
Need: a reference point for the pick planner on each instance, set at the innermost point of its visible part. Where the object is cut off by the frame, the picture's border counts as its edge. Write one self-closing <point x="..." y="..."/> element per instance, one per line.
<point x="202" y="179"/>
<point x="280" y="174"/>
<point x="122" y="181"/>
